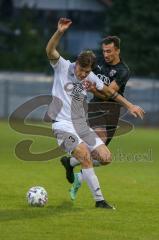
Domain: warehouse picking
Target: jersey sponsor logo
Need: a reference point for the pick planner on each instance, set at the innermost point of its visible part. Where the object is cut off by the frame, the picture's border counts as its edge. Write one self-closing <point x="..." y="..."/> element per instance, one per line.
<point x="105" y="80"/>
<point x="112" y="73"/>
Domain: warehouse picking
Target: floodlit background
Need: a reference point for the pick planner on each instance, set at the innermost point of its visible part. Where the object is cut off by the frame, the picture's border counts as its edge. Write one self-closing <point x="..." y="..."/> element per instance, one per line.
<point x="27" y="25"/>
<point x="131" y="181"/>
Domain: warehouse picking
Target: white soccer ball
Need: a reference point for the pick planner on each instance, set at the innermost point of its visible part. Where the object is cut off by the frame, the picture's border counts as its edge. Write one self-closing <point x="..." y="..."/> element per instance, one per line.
<point x="37" y="196"/>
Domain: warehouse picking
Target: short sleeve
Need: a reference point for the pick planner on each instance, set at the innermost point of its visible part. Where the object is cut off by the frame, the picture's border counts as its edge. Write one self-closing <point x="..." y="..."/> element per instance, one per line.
<point x="94" y="79"/>
<point x="122" y="77"/>
<point x="61" y="63"/>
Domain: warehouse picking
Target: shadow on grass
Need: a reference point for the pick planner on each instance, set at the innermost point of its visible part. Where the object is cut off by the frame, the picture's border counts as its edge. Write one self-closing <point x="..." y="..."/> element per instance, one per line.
<point x="37" y="212"/>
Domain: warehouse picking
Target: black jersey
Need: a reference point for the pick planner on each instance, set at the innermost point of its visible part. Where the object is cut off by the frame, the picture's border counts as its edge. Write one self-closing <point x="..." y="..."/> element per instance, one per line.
<point x="108" y="73"/>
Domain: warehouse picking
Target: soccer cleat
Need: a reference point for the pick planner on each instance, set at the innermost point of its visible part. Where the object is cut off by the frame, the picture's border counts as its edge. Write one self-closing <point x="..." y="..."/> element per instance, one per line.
<point x="74" y="189"/>
<point x="69" y="169"/>
<point x="104" y="204"/>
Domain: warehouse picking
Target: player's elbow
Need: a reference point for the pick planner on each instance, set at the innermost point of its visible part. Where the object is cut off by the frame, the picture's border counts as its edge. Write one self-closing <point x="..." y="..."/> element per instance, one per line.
<point x="50" y="53"/>
<point x="108" y="92"/>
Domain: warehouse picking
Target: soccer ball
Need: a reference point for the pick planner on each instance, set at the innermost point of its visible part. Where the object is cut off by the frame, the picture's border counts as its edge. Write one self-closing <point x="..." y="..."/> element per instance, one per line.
<point x="37" y="196"/>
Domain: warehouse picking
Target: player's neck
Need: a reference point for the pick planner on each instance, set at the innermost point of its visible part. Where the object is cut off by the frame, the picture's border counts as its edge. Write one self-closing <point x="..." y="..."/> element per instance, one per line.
<point x="116" y="61"/>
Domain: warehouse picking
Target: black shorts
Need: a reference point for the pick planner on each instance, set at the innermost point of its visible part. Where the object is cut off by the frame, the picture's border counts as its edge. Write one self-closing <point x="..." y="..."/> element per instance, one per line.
<point x="104" y="115"/>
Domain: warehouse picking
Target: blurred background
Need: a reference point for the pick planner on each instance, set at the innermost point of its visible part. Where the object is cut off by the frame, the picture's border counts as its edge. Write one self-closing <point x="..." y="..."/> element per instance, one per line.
<point x="131" y="182"/>
<point x="27" y="25"/>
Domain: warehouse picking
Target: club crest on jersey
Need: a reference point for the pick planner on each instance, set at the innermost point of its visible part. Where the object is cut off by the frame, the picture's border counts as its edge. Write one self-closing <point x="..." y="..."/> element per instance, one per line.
<point x="112" y="73"/>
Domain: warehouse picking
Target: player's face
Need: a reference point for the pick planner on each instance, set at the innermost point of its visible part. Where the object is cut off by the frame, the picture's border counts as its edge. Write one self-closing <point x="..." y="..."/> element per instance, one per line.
<point x="81" y="72"/>
<point x="110" y="53"/>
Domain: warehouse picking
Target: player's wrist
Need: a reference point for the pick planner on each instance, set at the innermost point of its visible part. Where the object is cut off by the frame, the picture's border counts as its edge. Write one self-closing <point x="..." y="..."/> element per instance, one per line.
<point x="92" y="90"/>
<point x="131" y="107"/>
<point x="60" y="32"/>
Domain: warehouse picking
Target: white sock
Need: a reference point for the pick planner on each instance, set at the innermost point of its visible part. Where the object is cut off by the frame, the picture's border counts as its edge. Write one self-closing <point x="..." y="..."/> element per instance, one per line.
<point x="80" y="177"/>
<point x="90" y="177"/>
<point x="74" y="162"/>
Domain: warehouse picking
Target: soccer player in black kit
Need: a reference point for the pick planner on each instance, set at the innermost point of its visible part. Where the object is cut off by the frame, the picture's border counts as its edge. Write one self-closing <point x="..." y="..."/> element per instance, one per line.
<point x="115" y="74"/>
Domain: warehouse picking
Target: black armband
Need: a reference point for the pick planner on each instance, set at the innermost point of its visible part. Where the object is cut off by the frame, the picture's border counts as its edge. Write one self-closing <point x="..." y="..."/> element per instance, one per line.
<point x="54" y="59"/>
<point x="114" y="95"/>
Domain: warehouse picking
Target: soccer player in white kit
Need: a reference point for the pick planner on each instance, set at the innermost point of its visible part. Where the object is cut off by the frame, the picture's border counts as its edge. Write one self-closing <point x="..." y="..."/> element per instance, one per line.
<point x="68" y="110"/>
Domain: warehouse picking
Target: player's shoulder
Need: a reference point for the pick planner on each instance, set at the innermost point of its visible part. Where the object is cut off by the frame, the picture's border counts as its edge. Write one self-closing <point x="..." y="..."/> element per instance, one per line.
<point x="122" y="66"/>
<point x="64" y="61"/>
<point x="99" y="64"/>
<point x="123" y="71"/>
<point x="61" y="62"/>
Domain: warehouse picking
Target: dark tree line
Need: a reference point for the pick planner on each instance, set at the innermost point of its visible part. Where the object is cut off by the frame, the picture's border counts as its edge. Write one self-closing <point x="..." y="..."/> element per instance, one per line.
<point x="23" y="41"/>
<point x="24" y="34"/>
<point x="137" y="23"/>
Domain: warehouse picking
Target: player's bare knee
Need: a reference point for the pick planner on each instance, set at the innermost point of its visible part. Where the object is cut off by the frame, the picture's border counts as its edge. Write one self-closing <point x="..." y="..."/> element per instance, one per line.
<point x="86" y="163"/>
<point x="106" y="158"/>
<point x="83" y="155"/>
<point x="85" y="159"/>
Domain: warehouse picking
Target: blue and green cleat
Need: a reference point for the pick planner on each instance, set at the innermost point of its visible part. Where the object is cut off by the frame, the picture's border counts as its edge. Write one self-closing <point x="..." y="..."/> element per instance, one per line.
<point x="74" y="189"/>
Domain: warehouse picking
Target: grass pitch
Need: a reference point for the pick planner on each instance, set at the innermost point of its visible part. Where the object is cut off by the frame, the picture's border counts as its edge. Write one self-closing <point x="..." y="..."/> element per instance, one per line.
<point x="130" y="183"/>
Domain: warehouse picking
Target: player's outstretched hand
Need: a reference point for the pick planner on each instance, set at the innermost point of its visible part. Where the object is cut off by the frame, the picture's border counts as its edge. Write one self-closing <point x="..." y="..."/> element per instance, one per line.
<point x="137" y="111"/>
<point x="63" y="24"/>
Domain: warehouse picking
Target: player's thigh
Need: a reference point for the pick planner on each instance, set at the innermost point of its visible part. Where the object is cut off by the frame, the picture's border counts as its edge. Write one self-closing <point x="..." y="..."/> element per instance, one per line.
<point x="97" y="147"/>
<point x="102" y="153"/>
<point x="92" y="139"/>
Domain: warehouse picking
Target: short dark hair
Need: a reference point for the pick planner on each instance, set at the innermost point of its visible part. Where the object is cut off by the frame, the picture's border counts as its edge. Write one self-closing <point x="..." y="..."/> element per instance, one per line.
<point x="112" y="39"/>
<point x="87" y="58"/>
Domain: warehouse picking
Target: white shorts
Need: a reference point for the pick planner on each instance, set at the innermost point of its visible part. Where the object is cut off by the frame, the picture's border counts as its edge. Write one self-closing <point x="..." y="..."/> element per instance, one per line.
<point x="69" y="135"/>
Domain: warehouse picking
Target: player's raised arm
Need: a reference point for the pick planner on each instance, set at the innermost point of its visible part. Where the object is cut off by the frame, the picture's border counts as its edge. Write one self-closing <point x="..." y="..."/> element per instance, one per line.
<point x="51" y="51"/>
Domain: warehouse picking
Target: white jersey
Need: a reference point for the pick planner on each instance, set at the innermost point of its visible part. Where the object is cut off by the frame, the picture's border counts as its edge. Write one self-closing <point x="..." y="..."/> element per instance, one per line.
<point x="69" y="93"/>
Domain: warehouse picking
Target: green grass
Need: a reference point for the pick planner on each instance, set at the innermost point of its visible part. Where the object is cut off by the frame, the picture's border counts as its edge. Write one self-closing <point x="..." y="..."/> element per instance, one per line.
<point x="131" y="183"/>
